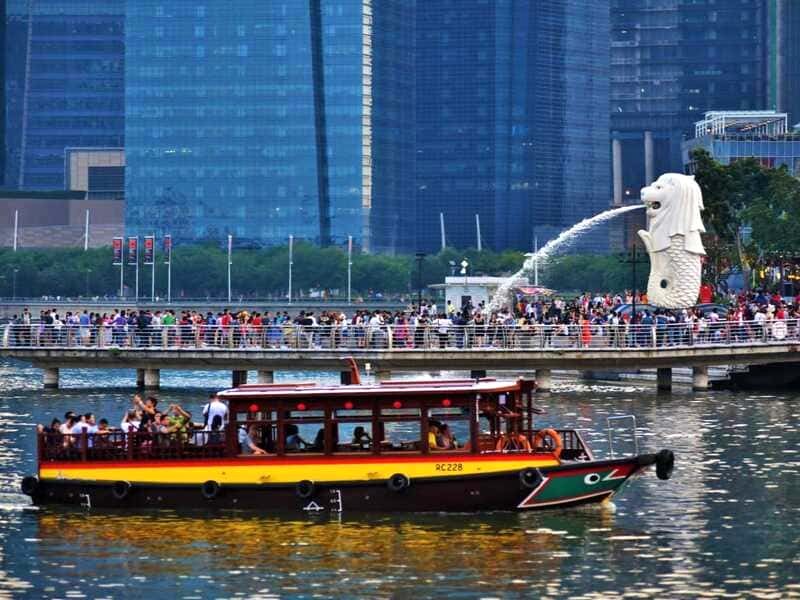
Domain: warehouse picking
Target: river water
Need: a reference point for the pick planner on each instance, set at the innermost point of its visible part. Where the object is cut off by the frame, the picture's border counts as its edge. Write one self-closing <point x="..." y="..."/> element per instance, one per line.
<point x="726" y="525"/>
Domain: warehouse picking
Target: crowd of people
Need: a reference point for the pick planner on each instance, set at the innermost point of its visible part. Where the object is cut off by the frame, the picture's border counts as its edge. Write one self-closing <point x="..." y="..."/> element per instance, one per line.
<point x="738" y="317"/>
<point x="158" y="428"/>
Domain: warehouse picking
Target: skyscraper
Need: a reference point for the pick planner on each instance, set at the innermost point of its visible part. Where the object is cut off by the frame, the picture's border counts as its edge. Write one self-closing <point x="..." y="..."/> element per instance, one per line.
<point x="2" y="94"/>
<point x="64" y="64"/>
<point x="512" y="119"/>
<point x="671" y="61"/>
<point x="785" y="57"/>
<point x="266" y="120"/>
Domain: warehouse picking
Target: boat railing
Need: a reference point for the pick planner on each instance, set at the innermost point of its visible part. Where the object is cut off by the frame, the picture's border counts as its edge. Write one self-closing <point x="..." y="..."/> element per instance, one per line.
<point x="134" y="445"/>
<point x="574" y="448"/>
<point x="403" y="336"/>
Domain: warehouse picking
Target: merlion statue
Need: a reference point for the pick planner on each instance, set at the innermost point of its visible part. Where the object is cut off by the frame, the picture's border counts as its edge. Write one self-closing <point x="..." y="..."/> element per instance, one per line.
<point x="672" y="240"/>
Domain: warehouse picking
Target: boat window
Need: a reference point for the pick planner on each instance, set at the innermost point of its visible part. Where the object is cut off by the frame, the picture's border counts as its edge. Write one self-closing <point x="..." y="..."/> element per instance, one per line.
<point x="354" y="436"/>
<point x="400" y="435"/>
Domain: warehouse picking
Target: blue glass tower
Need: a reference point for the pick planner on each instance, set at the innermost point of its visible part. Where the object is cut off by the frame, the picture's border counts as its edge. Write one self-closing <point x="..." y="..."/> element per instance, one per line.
<point x="512" y="119"/>
<point x="64" y="82"/>
<point x="257" y="122"/>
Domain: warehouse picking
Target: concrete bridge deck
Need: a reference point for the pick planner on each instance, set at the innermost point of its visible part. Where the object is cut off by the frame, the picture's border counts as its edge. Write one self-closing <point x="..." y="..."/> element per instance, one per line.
<point x="149" y="361"/>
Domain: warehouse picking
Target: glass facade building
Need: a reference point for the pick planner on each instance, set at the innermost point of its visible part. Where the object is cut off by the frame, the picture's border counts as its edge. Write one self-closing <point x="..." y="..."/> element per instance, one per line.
<point x="64" y="67"/>
<point x="730" y="136"/>
<point x="671" y="61"/>
<point x="512" y="119"/>
<point x="260" y="121"/>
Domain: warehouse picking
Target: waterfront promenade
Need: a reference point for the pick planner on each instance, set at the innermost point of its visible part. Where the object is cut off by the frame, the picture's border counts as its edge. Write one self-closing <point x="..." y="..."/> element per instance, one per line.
<point x="389" y="349"/>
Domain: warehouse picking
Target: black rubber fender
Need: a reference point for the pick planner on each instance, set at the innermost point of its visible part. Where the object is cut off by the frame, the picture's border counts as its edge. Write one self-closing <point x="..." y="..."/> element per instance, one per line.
<point x="531" y="478"/>
<point x="665" y="464"/>
<point x="209" y="489"/>
<point x="305" y="489"/>
<point x="29" y="485"/>
<point x="120" y="489"/>
<point x="398" y="482"/>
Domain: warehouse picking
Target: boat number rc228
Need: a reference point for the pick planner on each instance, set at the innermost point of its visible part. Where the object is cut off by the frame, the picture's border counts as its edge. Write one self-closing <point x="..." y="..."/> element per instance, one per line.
<point x="449" y="466"/>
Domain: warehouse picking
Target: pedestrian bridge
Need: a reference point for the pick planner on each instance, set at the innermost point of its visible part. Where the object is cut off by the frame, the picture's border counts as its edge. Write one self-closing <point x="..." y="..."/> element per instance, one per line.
<point x="389" y="349"/>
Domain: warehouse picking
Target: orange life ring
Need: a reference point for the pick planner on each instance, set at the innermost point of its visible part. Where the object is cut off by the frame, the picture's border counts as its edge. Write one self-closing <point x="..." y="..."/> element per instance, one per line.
<point x="505" y="441"/>
<point x="558" y="443"/>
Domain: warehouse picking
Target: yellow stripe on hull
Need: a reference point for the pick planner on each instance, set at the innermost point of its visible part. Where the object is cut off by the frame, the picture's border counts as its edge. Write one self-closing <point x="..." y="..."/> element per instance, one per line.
<point x="288" y="473"/>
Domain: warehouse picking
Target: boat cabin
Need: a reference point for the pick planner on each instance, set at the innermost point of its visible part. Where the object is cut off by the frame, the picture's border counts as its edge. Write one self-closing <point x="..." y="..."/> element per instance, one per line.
<point x="388" y="419"/>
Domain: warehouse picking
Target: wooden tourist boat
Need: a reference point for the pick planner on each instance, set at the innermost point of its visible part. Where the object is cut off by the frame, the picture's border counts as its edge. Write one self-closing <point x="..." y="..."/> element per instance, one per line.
<point x="504" y="462"/>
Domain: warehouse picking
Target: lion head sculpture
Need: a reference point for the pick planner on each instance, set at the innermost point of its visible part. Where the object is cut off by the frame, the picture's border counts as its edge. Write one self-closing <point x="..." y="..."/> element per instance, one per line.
<point x="674" y="202"/>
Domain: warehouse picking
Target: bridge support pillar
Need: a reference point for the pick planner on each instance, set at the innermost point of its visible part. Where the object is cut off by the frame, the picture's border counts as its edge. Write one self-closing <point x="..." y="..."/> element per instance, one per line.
<point x="477" y="373"/>
<point x="544" y="380"/>
<point x="700" y="379"/>
<point x="238" y="378"/>
<point x="383" y="375"/>
<point x="50" y="378"/>
<point x="139" y="378"/>
<point x="152" y="379"/>
<point x="266" y="376"/>
<point x="664" y="379"/>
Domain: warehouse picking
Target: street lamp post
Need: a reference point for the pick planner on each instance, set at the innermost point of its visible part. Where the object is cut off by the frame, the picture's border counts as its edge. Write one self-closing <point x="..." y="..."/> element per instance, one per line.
<point x="349" y="269"/>
<point x="420" y="257"/>
<point x="632" y="259"/>
<point x="88" y="274"/>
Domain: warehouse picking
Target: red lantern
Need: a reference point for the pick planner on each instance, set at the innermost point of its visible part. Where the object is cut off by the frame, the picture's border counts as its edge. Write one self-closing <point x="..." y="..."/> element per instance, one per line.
<point x="397" y="404"/>
<point x="348" y="405"/>
<point x="301" y="406"/>
<point x="446" y="402"/>
<point x="254" y="408"/>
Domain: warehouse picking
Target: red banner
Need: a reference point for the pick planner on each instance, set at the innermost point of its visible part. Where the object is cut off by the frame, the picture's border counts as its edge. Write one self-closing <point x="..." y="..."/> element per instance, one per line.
<point x="133" y="250"/>
<point x="116" y="245"/>
<point x="167" y="249"/>
<point x="149" y="242"/>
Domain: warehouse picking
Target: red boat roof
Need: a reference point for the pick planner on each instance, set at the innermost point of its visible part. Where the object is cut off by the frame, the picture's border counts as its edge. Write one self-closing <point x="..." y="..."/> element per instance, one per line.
<point x="386" y="388"/>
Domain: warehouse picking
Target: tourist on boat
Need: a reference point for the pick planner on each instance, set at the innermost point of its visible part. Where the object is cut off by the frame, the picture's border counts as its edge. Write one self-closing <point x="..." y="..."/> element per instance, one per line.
<point x="293" y="439"/>
<point x="246" y="443"/>
<point x="215" y="434"/>
<point x="319" y="441"/>
<point x="446" y="439"/>
<point x="361" y="438"/>
<point x="179" y="421"/>
<point x="69" y="420"/>
<point x="147" y="408"/>
<point x="433" y="437"/>
<point x="85" y="424"/>
<point x="131" y="421"/>
<point x="215" y="407"/>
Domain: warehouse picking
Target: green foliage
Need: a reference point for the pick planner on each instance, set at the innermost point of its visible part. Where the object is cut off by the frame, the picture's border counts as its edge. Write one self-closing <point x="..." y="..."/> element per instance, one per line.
<point x="200" y="271"/>
<point x="593" y="273"/>
<point x="744" y="193"/>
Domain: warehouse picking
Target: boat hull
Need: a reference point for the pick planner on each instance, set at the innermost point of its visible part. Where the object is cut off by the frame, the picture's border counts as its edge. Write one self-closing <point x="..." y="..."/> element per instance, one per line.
<point x="529" y="488"/>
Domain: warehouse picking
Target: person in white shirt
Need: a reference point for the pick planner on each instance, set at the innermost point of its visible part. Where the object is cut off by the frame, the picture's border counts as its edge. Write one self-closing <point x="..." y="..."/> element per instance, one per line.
<point x="86" y="424"/>
<point x="214" y="407"/>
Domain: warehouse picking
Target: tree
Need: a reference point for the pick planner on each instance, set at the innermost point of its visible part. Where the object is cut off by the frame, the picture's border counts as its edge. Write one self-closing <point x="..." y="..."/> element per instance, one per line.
<point x="741" y="194"/>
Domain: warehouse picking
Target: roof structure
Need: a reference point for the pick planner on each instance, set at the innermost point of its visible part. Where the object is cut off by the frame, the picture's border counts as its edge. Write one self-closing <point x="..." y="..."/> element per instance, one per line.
<point x="742" y="122"/>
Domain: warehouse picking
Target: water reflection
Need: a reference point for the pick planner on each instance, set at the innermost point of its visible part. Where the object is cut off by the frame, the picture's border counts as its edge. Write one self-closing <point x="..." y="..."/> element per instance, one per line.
<point x="365" y="557"/>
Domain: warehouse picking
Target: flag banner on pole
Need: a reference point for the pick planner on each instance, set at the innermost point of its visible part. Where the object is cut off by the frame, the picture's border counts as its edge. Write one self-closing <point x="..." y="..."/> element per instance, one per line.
<point x="167" y="249"/>
<point x="149" y="242"/>
<point x="133" y="250"/>
<point x="116" y="244"/>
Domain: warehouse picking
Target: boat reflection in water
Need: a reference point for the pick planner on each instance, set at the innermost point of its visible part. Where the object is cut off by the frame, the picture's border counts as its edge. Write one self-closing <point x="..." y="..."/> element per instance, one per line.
<point x="375" y="556"/>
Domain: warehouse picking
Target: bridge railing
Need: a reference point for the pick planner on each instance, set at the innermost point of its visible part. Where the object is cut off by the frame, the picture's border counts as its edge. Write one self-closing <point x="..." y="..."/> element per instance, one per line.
<point x="400" y="337"/>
